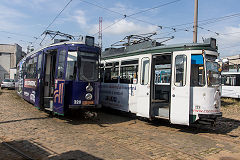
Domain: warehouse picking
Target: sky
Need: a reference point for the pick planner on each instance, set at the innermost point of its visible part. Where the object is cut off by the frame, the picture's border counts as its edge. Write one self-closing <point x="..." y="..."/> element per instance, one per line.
<point x="22" y="21"/>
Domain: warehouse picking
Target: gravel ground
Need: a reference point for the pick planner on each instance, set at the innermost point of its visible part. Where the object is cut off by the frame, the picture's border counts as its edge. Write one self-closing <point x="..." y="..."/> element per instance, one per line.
<point x="111" y="135"/>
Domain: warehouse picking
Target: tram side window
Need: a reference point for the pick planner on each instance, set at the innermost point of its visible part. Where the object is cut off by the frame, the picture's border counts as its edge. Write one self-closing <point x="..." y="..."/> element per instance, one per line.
<point x="71" y="66"/>
<point x="61" y="62"/>
<point x="197" y="71"/>
<point x="31" y="68"/>
<point x="111" y="72"/>
<point x="39" y="65"/>
<point x="101" y="72"/>
<point x="180" y="70"/>
<point x="145" y="71"/>
<point x="129" y="72"/>
<point x="229" y="80"/>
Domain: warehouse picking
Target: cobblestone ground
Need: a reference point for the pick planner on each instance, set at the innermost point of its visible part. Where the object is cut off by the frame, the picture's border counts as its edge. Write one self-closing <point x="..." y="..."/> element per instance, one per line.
<point x="109" y="136"/>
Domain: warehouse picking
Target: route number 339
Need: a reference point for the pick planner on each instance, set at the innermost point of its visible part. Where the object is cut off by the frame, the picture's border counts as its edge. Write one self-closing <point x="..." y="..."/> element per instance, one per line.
<point x="77" y="102"/>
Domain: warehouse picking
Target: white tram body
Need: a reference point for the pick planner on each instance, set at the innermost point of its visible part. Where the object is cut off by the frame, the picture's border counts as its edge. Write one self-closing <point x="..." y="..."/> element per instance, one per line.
<point x="230" y="84"/>
<point x="180" y="83"/>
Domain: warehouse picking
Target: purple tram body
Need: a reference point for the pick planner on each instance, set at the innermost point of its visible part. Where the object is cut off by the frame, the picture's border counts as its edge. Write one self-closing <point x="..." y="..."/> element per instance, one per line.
<point x="60" y="77"/>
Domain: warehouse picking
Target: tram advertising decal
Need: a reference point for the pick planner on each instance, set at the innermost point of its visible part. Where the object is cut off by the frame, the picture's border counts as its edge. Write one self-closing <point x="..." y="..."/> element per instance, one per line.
<point x="30" y="83"/>
<point x="58" y="96"/>
<point x="117" y="96"/>
<point x="58" y="93"/>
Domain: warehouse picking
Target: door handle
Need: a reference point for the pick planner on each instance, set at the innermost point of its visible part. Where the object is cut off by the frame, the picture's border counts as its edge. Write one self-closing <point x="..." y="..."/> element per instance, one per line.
<point x="173" y="95"/>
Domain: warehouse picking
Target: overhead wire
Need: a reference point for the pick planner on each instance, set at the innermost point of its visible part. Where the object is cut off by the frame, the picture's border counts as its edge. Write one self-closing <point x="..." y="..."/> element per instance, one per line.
<point x="210" y="20"/>
<point x="54" y="19"/>
<point x="129" y="16"/>
<point x="18" y="34"/>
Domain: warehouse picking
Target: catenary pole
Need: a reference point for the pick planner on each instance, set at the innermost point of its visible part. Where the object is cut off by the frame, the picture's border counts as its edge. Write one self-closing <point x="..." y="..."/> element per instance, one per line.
<point x="195" y="22"/>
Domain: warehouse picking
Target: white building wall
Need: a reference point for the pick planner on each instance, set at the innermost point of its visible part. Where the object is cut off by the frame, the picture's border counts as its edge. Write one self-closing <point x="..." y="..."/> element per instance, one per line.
<point x="5" y="59"/>
<point x="13" y="73"/>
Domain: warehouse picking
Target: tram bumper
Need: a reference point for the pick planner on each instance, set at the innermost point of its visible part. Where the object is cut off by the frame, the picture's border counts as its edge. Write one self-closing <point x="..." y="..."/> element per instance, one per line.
<point x="209" y="119"/>
<point x="85" y="106"/>
<point x="210" y="116"/>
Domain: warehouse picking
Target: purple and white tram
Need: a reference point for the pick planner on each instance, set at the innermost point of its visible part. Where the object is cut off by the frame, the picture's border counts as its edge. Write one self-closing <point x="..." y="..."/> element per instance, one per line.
<point x="61" y="76"/>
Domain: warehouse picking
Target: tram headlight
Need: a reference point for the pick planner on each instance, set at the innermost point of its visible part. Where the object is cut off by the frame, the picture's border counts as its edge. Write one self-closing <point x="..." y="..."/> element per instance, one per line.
<point x="88" y="96"/>
<point x="89" y="88"/>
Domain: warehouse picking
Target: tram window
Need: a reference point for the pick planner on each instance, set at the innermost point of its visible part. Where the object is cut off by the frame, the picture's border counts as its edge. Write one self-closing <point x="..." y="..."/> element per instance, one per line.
<point x="61" y="62"/>
<point x="230" y="80"/>
<point x="145" y="71"/>
<point x="162" y="73"/>
<point x="39" y="65"/>
<point x="111" y="72"/>
<point x="101" y="72"/>
<point x="71" y="66"/>
<point x="180" y="70"/>
<point x="197" y="71"/>
<point x="31" y="68"/>
<point x="129" y="72"/>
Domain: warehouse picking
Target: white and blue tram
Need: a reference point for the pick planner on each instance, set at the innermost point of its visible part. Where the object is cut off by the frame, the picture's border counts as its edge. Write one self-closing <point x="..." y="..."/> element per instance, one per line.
<point x="61" y="76"/>
<point x="180" y="83"/>
<point x="230" y="84"/>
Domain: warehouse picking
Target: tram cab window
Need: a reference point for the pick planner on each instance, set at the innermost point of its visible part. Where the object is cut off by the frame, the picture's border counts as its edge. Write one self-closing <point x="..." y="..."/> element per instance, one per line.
<point x="180" y="70"/>
<point x="213" y="75"/>
<point x="71" y="66"/>
<point x="111" y="72"/>
<point x="129" y="72"/>
<point x="197" y="71"/>
<point x="61" y="62"/>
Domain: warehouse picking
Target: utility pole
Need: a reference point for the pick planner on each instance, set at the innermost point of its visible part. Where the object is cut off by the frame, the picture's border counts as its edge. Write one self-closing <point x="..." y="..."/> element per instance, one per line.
<point x="100" y="32"/>
<point x="195" y="22"/>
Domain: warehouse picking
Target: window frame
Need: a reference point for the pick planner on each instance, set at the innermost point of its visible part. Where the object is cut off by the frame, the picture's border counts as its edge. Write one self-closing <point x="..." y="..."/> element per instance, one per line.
<point x="143" y="69"/>
<point x="184" y="77"/>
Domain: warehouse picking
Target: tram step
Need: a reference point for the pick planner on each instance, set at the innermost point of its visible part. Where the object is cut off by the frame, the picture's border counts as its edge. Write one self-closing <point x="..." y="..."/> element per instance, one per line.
<point x="162" y="117"/>
<point x="49" y="109"/>
<point x="205" y="122"/>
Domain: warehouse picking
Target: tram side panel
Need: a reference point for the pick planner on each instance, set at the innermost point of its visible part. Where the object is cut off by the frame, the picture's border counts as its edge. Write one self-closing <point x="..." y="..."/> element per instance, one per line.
<point x="30" y="79"/>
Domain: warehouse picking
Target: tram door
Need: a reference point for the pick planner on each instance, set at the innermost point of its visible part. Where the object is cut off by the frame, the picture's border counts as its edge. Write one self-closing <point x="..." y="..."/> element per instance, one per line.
<point x="180" y="87"/>
<point x="59" y="82"/>
<point x="143" y="87"/>
<point x="49" y="76"/>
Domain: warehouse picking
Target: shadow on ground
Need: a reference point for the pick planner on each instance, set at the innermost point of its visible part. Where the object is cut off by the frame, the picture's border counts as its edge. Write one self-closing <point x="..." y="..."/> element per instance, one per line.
<point x="37" y="151"/>
<point x="100" y="117"/>
<point x="227" y="102"/>
<point x="25" y="119"/>
<point x="223" y="126"/>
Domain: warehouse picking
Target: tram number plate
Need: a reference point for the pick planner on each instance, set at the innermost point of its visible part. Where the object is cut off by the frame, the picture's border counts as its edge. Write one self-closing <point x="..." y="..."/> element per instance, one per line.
<point x="87" y="102"/>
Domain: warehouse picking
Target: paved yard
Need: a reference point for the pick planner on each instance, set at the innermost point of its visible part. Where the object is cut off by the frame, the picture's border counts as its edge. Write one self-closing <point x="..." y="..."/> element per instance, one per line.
<point x="112" y="136"/>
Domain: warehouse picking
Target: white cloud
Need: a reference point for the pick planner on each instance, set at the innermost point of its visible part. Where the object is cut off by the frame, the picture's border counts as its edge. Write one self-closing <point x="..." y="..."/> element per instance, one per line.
<point x="6" y="12"/>
<point x="80" y="17"/>
<point x="124" y="27"/>
<point x="8" y="17"/>
<point x="229" y="41"/>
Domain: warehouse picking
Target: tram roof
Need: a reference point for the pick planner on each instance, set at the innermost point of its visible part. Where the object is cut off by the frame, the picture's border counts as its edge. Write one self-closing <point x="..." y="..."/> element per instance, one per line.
<point x="153" y="48"/>
<point x="54" y="44"/>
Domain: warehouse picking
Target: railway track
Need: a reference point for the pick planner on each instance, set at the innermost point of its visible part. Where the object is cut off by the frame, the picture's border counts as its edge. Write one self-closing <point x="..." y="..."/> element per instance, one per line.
<point x="20" y="153"/>
<point x="16" y="150"/>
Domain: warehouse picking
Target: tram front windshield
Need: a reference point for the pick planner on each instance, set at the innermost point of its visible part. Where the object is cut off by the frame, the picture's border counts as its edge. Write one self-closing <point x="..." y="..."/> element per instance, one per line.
<point x="88" y="70"/>
<point x="213" y="75"/>
<point x="198" y="78"/>
<point x="86" y="64"/>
